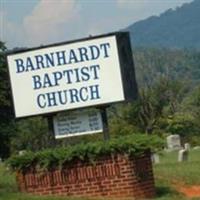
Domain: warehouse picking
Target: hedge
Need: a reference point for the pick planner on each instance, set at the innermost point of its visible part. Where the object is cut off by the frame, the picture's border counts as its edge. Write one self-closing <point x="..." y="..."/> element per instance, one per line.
<point x="132" y="145"/>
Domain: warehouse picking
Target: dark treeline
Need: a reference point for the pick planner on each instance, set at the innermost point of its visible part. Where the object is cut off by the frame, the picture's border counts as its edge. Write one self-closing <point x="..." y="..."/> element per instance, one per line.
<point x="168" y="103"/>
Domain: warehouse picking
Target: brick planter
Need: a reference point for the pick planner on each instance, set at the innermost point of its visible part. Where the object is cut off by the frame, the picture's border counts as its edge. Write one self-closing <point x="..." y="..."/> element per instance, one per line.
<point x="116" y="176"/>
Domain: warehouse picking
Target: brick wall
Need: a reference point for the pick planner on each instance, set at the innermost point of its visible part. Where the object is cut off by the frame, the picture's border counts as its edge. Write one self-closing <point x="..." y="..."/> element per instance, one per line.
<point x="116" y="176"/>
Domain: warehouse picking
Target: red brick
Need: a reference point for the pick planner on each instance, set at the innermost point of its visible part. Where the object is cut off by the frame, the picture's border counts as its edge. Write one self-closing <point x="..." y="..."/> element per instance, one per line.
<point x="115" y="176"/>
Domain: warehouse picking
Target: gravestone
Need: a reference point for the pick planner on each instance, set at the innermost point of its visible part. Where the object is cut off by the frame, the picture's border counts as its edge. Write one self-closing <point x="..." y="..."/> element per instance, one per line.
<point x="173" y="142"/>
<point x="196" y="148"/>
<point x="155" y="158"/>
<point x="183" y="155"/>
<point x="187" y="146"/>
<point x="22" y="152"/>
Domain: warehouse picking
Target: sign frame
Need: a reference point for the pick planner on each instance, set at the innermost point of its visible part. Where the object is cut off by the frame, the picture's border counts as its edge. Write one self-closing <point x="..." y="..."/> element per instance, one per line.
<point x="126" y="63"/>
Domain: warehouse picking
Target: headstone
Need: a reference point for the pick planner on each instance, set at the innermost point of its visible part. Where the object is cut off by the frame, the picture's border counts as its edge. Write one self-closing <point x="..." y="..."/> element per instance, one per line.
<point x="187" y="146"/>
<point x="155" y="158"/>
<point x="173" y="142"/>
<point x="0" y="160"/>
<point x="183" y="155"/>
<point x="22" y="152"/>
<point x="196" y="147"/>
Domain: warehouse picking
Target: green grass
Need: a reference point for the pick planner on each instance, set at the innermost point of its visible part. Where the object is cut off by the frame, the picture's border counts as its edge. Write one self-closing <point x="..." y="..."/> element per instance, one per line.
<point x="169" y="170"/>
<point x="165" y="173"/>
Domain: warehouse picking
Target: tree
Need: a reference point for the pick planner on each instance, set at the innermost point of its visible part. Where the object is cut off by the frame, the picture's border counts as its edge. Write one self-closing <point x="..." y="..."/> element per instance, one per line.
<point x="7" y="125"/>
<point x="31" y="134"/>
<point x="149" y="113"/>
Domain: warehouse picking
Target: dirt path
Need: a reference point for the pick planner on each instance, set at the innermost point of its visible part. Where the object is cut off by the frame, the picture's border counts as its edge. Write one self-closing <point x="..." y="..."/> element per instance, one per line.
<point x="189" y="191"/>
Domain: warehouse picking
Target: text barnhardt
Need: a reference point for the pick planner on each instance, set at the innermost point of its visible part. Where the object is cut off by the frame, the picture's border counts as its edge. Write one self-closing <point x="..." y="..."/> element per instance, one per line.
<point x="66" y="74"/>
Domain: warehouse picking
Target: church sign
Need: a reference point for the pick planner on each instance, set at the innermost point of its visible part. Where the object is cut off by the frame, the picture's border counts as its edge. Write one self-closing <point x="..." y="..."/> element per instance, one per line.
<point x="89" y="72"/>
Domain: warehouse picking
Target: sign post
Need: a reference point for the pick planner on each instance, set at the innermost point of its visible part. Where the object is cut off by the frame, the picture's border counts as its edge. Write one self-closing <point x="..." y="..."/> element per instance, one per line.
<point x="51" y="130"/>
<point x="105" y="123"/>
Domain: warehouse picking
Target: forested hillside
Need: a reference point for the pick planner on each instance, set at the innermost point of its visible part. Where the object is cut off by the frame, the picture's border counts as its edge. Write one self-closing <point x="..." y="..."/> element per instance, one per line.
<point x="175" y="65"/>
<point x="178" y="28"/>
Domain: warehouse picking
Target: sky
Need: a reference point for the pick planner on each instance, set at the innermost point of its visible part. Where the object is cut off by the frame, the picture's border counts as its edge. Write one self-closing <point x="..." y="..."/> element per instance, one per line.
<point x="31" y="23"/>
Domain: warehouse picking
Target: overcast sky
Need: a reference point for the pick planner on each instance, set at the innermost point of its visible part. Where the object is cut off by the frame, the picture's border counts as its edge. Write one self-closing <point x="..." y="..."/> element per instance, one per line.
<point x="30" y="23"/>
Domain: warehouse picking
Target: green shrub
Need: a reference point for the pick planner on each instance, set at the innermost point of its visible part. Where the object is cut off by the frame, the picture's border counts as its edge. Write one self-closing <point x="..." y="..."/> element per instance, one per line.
<point x="131" y="145"/>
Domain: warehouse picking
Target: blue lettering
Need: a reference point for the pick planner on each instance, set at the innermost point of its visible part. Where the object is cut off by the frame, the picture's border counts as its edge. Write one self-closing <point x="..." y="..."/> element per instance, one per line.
<point x="41" y="101"/>
<point x="85" y="74"/>
<point x="72" y="57"/>
<point x="94" y="52"/>
<point x="36" y="82"/>
<point x="47" y="81"/>
<point x="68" y="96"/>
<point x="77" y="74"/>
<point x="29" y="64"/>
<point x="74" y="95"/>
<point x="51" y="99"/>
<point x="83" y="54"/>
<point x="20" y="66"/>
<point x="105" y="48"/>
<point x="61" y="58"/>
<point x="95" y="68"/>
<point x="49" y="60"/>
<point x="57" y="77"/>
<point x="94" y="90"/>
<point x="84" y="94"/>
<point x="68" y="74"/>
<point x="39" y="61"/>
<point x="62" y="100"/>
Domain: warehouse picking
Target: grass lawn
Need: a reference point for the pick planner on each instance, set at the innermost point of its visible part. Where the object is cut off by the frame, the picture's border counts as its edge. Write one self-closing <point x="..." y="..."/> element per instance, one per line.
<point x="167" y="174"/>
<point x="171" y="171"/>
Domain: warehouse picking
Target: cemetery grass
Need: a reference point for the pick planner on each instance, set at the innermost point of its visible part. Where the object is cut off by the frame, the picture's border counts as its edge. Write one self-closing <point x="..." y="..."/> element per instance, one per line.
<point x="167" y="174"/>
<point x="173" y="172"/>
<point x="170" y="175"/>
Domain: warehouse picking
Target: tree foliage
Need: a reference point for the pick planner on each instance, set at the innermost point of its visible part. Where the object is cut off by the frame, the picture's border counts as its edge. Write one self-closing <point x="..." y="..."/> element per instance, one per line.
<point x="7" y="125"/>
<point x="169" y="101"/>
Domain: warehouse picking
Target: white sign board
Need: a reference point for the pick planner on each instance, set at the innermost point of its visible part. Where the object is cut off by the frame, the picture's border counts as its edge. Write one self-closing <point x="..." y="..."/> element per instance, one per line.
<point x="76" y="123"/>
<point x="67" y="76"/>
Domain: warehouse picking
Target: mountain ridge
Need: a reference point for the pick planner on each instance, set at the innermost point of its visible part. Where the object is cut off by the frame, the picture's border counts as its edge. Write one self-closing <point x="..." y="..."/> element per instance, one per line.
<point x="179" y="28"/>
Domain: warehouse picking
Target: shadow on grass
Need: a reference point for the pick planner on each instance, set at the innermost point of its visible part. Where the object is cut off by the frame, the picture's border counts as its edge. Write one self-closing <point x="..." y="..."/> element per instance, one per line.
<point x="165" y="191"/>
